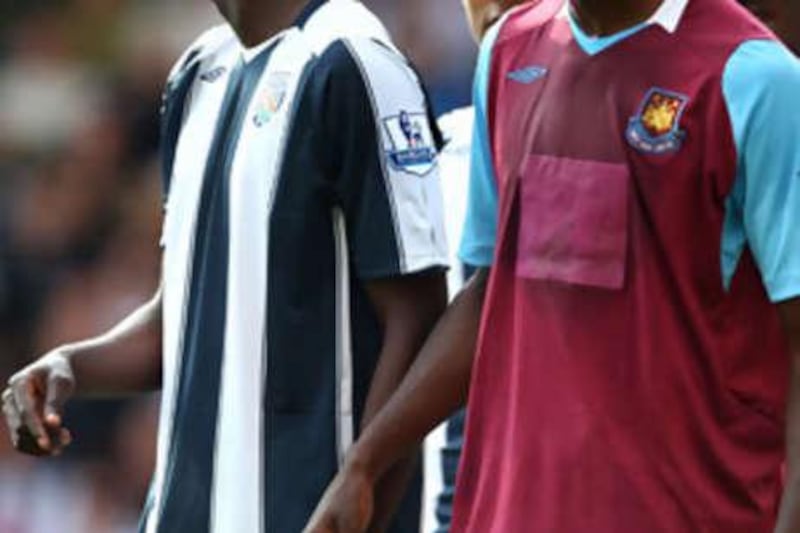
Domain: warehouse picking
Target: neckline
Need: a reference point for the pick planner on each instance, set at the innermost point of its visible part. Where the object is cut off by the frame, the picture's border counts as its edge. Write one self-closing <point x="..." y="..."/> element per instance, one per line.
<point x="593" y="45"/>
<point x="667" y="16"/>
<point x="305" y="15"/>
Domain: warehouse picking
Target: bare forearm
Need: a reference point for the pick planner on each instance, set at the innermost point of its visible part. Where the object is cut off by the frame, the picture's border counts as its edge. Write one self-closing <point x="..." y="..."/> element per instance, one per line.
<point x="408" y="312"/>
<point x="789" y="516"/>
<point x="435" y="386"/>
<point x="112" y="363"/>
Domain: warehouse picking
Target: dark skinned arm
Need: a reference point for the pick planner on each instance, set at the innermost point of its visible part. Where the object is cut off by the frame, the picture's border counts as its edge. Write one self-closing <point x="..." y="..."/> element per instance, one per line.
<point x="789" y="516"/>
<point x="34" y="400"/>
<point x="436" y="385"/>
<point x="407" y="309"/>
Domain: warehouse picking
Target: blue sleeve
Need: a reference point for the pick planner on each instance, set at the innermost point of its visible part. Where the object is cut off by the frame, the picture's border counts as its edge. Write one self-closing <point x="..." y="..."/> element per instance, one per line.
<point x="761" y="86"/>
<point x="480" y="226"/>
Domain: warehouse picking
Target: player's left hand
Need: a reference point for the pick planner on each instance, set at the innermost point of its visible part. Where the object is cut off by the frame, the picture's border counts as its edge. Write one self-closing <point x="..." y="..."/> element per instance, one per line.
<point x="33" y="405"/>
<point x="346" y="506"/>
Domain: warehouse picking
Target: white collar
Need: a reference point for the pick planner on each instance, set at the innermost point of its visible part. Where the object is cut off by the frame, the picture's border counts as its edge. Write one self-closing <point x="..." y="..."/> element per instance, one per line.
<point x="248" y="54"/>
<point x="333" y="18"/>
<point x="668" y="15"/>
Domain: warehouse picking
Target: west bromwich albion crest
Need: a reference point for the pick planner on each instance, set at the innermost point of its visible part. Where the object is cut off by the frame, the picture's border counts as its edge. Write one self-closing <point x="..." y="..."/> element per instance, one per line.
<point x="655" y="129"/>
<point x="412" y="143"/>
<point x="271" y="98"/>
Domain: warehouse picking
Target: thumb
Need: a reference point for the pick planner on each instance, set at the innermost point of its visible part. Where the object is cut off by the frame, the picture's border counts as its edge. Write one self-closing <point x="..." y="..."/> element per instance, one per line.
<point x="59" y="389"/>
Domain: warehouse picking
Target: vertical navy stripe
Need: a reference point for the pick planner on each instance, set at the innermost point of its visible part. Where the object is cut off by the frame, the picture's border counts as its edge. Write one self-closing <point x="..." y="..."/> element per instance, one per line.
<point x="172" y="118"/>
<point x="333" y="159"/>
<point x="299" y="425"/>
<point x="187" y="487"/>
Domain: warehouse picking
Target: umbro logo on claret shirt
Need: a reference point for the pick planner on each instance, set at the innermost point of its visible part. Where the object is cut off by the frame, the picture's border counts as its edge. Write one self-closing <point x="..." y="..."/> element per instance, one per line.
<point x="528" y="75"/>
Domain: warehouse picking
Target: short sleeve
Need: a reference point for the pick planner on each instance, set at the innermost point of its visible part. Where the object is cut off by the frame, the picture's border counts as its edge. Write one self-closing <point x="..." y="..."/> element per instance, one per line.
<point x="174" y="103"/>
<point x="480" y="225"/>
<point x="175" y="95"/>
<point x="382" y="153"/>
<point x="173" y="107"/>
<point x="761" y="85"/>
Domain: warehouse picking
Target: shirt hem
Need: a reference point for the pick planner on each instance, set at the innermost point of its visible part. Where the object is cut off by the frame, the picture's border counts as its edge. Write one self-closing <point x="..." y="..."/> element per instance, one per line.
<point x="784" y="288"/>
<point x="477" y="256"/>
<point x="414" y="265"/>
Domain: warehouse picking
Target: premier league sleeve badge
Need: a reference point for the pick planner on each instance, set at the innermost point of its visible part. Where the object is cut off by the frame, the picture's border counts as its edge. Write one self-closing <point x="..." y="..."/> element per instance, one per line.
<point x="412" y="147"/>
<point x="655" y="129"/>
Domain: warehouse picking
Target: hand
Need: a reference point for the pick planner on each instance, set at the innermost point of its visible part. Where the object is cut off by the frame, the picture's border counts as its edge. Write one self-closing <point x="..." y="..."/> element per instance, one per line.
<point x="346" y="507"/>
<point x="33" y="404"/>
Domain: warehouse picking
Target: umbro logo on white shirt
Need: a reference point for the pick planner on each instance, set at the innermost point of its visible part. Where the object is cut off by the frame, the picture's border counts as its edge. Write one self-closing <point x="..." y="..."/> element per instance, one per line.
<point x="210" y="76"/>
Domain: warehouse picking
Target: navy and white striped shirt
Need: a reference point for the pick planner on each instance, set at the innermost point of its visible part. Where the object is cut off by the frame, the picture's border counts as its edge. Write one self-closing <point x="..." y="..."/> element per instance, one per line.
<point x="294" y="173"/>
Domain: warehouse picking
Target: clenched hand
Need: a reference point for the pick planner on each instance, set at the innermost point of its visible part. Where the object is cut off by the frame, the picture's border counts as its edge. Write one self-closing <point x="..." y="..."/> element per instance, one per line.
<point x="33" y="405"/>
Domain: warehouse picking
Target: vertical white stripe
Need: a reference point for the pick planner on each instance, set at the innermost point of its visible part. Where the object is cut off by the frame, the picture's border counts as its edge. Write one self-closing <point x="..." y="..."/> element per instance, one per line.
<point x="238" y="488"/>
<point x="178" y="241"/>
<point x="236" y="497"/>
<point x="344" y="346"/>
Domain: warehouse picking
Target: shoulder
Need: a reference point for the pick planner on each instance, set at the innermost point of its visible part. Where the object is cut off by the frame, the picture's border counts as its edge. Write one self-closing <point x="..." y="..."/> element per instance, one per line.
<point x="712" y="30"/>
<point x="206" y="46"/>
<point x="347" y="38"/>
<point x="367" y="53"/>
<point x="380" y="61"/>
<point x="528" y="17"/>
<point x="339" y="31"/>
<point x="721" y="22"/>
<point x="367" y="63"/>
<point x="761" y="74"/>
<point x="764" y="63"/>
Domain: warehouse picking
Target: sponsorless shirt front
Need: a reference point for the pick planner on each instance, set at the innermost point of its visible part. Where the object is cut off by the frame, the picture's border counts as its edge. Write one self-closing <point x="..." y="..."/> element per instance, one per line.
<point x="295" y="173"/>
<point x="637" y="197"/>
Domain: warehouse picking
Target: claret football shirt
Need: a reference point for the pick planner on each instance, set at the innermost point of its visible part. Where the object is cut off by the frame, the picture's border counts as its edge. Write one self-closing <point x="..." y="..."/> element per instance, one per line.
<point x="637" y="197"/>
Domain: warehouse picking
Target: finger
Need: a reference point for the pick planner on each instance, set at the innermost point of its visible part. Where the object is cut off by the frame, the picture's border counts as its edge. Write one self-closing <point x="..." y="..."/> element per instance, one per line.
<point x="29" y="403"/>
<point x="12" y="416"/>
<point x="319" y="523"/>
<point x="61" y="439"/>
<point x="28" y="444"/>
<point x="59" y="389"/>
<point x="21" y="437"/>
<point x="320" y="528"/>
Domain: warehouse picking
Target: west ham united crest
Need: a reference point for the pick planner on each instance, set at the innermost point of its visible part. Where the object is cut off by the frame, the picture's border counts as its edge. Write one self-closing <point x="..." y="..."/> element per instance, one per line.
<point x="271" y="98"/>
<point x="412" y="144"/>
<point x="655" y="129"/>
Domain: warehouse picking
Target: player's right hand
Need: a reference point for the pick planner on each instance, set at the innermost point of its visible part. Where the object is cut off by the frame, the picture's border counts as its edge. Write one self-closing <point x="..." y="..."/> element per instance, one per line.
<point x="347" y="505"/>
<point x="33" y="405"/>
